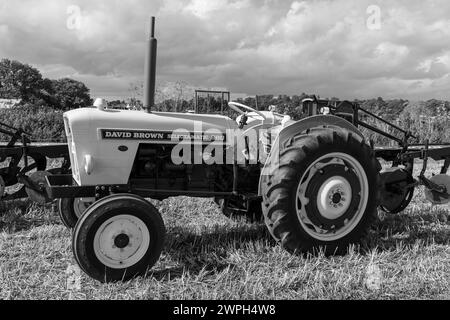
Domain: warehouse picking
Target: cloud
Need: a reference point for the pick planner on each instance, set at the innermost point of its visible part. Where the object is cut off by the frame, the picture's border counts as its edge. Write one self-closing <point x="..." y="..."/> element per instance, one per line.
<point x="248" y="46"/>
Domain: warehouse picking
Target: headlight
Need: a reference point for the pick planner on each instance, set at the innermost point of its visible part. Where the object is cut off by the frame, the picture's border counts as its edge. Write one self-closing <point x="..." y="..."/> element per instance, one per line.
<point x="88" y="164"/>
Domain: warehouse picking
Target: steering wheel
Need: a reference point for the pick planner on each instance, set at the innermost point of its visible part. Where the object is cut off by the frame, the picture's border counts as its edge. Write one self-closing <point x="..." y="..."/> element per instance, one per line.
<point x="238" y="106"/>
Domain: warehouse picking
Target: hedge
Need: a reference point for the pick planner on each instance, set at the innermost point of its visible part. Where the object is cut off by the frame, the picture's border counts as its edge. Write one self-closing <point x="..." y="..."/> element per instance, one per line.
<point x="45" y="124"/>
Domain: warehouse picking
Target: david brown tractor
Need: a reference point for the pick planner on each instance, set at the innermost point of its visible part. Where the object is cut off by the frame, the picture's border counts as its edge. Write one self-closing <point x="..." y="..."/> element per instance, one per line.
<point x="317" y="182"/>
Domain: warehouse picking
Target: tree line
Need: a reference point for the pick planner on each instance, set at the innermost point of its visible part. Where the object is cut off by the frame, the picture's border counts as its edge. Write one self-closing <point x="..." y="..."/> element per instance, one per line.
<point x="25" y="83"/>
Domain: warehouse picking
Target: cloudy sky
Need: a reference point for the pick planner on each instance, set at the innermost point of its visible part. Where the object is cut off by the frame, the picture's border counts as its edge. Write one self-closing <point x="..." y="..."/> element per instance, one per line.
<point x="343" y="48"/>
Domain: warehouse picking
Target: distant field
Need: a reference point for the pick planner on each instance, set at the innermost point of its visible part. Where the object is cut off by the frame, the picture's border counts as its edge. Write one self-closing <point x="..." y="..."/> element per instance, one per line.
<point x="208" y="256"/>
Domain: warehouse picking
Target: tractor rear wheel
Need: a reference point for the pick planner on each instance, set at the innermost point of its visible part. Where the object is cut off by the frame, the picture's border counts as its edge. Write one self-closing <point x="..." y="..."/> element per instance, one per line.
<point x="118" y="237"/>
<point x="323" y="193"/>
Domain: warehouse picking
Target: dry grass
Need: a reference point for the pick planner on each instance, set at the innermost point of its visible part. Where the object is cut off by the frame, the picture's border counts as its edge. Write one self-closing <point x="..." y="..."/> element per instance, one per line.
<point x="207" y="256"/>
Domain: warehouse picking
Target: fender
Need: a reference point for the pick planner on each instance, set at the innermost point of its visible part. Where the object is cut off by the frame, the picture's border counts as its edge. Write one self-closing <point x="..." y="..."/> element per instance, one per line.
<point x="300" y="126"/>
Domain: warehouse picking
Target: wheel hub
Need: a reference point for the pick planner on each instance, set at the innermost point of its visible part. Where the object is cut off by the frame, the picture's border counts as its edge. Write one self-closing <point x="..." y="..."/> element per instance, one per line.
<point x="334" y="197"/>
<point x="121" y="241"/>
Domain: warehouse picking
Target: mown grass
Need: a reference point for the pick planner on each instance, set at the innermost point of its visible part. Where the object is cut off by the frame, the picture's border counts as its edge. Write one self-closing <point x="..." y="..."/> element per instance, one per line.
<point x="208" y="256"/>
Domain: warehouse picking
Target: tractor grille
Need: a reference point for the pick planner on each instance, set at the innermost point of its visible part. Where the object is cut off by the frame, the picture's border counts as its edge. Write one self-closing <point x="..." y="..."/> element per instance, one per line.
<point x="72" y="151"/>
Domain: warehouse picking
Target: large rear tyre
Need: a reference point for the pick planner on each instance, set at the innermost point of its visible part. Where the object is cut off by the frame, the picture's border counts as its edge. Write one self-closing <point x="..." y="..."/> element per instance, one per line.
<point x="118" y="238"/>
<point x="323" y="194"/>
<point x="71" y="209"/>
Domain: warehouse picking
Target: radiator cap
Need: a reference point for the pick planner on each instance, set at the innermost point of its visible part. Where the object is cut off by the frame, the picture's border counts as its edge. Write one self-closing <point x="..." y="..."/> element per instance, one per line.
<point x="101" y="104"/>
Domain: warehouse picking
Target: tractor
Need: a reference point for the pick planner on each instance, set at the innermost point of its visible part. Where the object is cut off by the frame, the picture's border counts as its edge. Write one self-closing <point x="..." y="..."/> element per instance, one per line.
<point x="316" y="183"/>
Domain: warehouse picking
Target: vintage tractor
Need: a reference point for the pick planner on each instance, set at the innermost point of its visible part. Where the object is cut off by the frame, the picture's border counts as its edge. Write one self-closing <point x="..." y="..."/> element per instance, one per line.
<point x="318" y="181"/>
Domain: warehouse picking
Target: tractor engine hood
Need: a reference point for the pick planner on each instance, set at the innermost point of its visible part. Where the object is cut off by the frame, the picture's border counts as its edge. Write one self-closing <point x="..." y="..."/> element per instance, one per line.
<point x="117" y="124"/>
<point x="103" y="143"/>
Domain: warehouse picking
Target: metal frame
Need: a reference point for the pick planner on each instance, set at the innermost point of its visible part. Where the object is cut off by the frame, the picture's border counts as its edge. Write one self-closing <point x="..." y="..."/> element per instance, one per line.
<point x="222" y="93"/>
<point x="64" y="186"/>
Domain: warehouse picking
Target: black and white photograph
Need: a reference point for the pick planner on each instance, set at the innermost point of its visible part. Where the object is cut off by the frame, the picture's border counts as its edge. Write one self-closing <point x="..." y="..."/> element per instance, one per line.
<point x="226" y="157"/>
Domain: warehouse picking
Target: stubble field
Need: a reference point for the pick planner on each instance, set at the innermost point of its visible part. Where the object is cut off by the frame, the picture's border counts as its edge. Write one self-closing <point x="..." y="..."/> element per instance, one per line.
<point x="208" y="256"/>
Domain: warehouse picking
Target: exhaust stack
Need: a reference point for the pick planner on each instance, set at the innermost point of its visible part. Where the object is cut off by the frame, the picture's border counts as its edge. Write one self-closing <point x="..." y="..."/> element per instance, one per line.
<point x="150" y="69"/>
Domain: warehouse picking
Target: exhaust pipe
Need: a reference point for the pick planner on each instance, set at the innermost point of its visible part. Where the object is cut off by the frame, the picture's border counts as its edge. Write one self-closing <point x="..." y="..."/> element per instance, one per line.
<point x="150" y="69"/>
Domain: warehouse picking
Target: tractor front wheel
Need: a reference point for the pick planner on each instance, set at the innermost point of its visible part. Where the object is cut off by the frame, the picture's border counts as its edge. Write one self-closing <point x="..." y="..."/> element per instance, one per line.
<point x="71" y="209"/>
<point x="323" y="193"/>
<point x="118" y="238"/>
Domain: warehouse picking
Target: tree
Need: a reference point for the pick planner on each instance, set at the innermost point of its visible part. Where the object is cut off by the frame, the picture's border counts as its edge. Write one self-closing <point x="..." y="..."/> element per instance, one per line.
<point x="136" y="90"/>
<point x="70" y="94"/>
<point x="19" y="81"/>
<point x="264" y="101"/>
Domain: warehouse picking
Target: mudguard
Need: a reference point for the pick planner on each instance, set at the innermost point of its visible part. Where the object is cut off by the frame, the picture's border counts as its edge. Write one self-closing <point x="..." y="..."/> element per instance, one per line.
<point x="292" y="130"/>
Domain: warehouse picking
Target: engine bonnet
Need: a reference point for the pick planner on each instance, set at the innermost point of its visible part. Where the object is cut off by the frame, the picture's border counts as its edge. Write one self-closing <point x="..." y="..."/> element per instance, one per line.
<point x="119" y="124"/>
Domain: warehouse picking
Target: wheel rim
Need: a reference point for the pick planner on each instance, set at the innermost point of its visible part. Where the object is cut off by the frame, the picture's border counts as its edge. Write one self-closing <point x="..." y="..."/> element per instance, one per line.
<point x="332" y="196"/>
<point x="121" y="241"/>
<point x="80" y="206"/>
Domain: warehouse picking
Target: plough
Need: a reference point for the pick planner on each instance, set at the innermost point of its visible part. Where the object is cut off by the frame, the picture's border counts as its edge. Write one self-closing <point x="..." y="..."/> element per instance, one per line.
<point x="23" y="165"/>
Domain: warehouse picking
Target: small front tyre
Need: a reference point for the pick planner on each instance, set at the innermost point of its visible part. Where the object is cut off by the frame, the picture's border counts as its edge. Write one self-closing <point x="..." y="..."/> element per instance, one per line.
<point x="71" y="209"/>
<point x="118" y="238"/>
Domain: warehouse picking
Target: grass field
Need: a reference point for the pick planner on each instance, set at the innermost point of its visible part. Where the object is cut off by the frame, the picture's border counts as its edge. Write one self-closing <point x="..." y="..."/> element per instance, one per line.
<point x="208" y="256"/>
